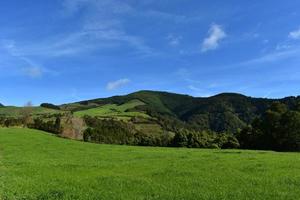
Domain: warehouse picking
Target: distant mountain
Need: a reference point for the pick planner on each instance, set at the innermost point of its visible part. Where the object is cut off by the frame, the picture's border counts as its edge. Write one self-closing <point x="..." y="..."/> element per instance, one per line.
<point x="1" y="105"/>
<point x="226" y="112"/>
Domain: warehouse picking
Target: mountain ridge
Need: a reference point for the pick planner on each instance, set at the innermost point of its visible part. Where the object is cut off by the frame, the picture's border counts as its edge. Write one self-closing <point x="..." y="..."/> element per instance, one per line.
<point x="227" y="112"/>
<point x="223" y="94"/>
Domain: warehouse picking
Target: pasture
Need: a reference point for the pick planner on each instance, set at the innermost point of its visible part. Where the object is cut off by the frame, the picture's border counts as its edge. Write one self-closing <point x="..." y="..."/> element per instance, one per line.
<point x="37" y="165"/>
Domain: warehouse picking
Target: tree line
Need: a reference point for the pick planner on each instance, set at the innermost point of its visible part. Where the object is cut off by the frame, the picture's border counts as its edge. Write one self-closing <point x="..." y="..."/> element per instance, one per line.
<point x="111" y="131"/>
<point x="277" y="129"/>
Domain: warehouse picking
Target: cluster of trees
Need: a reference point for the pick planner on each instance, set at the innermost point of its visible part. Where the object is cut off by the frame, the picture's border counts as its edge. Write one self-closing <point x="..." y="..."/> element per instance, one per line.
<point x="49" y="125"/>
<point x="118" y="132"/>
<point x="11" y="121"/>
<point x="278" y="129"/>
<point x="110" y="131"/>
<point x="50" y="106"/>
<point x="205" y="139"/>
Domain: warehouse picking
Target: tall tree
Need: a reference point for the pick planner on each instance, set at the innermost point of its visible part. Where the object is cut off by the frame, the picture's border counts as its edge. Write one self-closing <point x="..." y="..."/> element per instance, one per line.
<point x="26" y="113"/>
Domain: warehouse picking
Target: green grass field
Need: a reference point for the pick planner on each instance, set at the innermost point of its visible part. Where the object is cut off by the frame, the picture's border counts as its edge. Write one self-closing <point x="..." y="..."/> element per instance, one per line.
<point x="113" y="110"/>
<point x="36" y="165"/>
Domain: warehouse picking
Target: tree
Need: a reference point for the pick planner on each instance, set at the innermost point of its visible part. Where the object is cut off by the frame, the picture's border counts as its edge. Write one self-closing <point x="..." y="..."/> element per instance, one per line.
<point x="26" y="113"/>
<point x="180" y="139"/>
<point x="288" y="137"/>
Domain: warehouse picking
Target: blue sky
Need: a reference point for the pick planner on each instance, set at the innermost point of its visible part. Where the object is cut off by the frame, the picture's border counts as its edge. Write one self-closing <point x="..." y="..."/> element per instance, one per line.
<point x="69" y="50"/>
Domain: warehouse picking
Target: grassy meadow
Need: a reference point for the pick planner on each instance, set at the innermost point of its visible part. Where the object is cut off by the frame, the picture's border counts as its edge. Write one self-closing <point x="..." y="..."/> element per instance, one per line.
<point x="37" y="165"/>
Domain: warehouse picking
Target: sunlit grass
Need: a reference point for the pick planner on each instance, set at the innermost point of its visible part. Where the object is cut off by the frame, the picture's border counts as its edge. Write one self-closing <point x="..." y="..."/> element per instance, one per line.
<point x="37" y="165"/>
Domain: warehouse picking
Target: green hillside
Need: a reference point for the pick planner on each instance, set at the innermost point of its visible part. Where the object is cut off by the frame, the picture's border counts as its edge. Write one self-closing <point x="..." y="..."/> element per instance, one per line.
<point x="36" y="165"/>
<point x="225" y="112"/>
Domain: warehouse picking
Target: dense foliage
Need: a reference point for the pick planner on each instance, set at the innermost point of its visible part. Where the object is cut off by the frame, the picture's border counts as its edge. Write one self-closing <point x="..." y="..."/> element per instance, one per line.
<point x="204" y="139"/>
<point x="49" y="125"/>
<point x="49" y="105"/>
<point x="118" y="132"/>
<point x="10" y="121"/>
<point x="278" y="129"/>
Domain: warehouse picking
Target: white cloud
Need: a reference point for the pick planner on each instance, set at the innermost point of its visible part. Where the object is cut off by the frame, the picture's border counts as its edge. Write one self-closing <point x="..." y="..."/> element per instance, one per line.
<point x="216" y="33"/>
<point x="295" y="34"/>
<point x="117" y="84"/>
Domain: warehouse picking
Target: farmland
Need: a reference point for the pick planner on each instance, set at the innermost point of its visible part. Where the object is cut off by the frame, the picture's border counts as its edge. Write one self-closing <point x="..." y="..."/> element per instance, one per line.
<point x="116" y="111"/>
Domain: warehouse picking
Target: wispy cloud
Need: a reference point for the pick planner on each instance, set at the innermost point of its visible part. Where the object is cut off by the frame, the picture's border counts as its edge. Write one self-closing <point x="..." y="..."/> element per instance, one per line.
<point x="295" y="34"/>
<point x="199" y="92"/>
<point x="168" y="16"/>
<point x="102" y="26"/>
<point x="34" y="72"/>
<point x="174" y="40"/>
<point x="282" y="54"/>
<point x="31" y="69"/>
<point x="215" y="35"/>
<point x="114" y="6"/>
<point x="117" y="84"/>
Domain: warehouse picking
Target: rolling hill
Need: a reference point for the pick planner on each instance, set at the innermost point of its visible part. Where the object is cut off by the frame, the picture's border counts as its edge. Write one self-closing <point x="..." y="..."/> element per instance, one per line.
<point x="153" y="118"/>
<point x="224" y="112"/>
